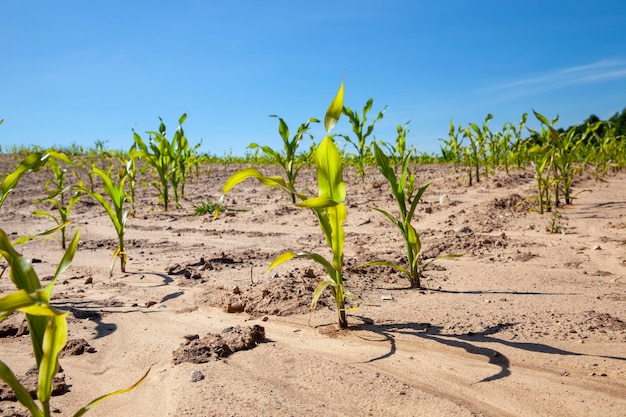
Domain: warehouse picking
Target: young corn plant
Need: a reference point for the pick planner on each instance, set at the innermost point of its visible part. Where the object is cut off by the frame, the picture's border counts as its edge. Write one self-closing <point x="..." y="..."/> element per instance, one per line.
<point x="453" y="151"/>
<point x="47" y="327"/>
<point x="98" y="156"/>
<point x="542" y="163"/>
<point x="604" y="153"/>
<point x="542" y="155"/>
<point x="171" y="161"/>
<point x="558" y="164"/>
<point x="32" y="162"/>
<point x="114" y="208"/>
<point x="478" y="142"/>
<point x="362" y="132"/>
<point x="288" y="159"/>
<point x="329" y="208"/>
<point x="407" y="195"/>
<point x="186" y="158"/>
<point x="129" y="164"/>
<point x="565" y="166"/>
<point x="398" y="150"/>
<point x="57" y="195"/>
<point x="519" y="146"/>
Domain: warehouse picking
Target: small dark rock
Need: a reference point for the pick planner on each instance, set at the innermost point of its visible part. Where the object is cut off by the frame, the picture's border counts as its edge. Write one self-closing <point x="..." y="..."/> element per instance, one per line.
<point x="76" y="347"/>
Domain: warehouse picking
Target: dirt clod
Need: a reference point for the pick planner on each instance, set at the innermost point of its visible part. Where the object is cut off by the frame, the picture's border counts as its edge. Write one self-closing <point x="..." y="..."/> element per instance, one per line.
<point x="215" y="346"/>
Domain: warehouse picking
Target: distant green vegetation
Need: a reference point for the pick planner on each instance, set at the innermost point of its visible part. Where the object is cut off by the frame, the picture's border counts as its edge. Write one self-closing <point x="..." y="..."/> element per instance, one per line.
<point x="555" y="154"/>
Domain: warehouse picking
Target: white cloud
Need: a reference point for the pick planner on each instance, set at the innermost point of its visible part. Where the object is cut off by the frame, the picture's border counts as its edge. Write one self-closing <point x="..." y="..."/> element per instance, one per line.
<point x="604" y="70"/>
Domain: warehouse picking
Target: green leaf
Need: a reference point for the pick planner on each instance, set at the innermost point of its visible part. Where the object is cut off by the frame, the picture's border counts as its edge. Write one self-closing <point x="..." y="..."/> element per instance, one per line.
<point x="320" y="260"/>
<point x="54" y="340"/>
<point x="14" y="301"/>
<point x="68" y="256"/>
<point x="244" y="174"/>
<point x="31" y="162"/>
<point x="330" y="170"/>
<point x="390" y="264"/>
<point x="283" y="130"/>
<point x="413" y="239"/>
<point x="416" y="198"/>
<point x="333" y="113"/>
<point x="355" y="297"/>
<point x="318" y="291"/>
<point x="320" y="202"/>
<point x="284" y="257"/>
<point x="24" y="239"/>
<point x="98" y="400"/>
<point x="22" y="273"/>
<point x="541" y="118"/>
<point x="395" y="221"/>
<point x="22" y="394"/>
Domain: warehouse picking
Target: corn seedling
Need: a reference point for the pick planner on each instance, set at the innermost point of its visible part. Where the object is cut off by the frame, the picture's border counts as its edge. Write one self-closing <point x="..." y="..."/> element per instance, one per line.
<point x="362" y="132"/>
<point x="556" y="223"/>
<point x="328" y="207"/>
<point x="478" y="142"/>
<point x="602" y="152"/>
<point x="288" y="158"/>
<point x="57" y="195"/>
<point x="398" y="150"/>
<point x="542" y="166"/>
<point x="32" y="162"/>
<point x="186" y="158"/>
<point x="407" y="195"/>
<point x="47" y="327"/>
<point x="130" y="168"/>
<point x="170" y="161"/>
<point x="554" y="164"/>
<point x="518" y="145"/>
<point x="204" y="208"/>
<point x="565" y="167"/>
<point x="115" y="208"/>
<point x="453" y="150"/>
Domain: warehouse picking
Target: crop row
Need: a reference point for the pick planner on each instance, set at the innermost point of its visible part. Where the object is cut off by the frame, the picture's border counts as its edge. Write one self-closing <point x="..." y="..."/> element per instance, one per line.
<point x="110" y="179"/>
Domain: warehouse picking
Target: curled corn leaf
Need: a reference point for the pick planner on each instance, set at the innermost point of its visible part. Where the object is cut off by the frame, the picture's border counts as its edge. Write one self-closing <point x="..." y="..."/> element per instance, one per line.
<point x="334" y="110"/>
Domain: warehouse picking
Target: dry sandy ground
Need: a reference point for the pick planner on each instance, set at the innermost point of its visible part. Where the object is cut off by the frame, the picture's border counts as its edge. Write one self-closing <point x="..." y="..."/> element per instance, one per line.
<point x="526" y="323"/>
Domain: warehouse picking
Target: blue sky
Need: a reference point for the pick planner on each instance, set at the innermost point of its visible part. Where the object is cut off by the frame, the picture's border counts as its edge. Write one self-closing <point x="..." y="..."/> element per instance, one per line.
<point x="81" y="71"/>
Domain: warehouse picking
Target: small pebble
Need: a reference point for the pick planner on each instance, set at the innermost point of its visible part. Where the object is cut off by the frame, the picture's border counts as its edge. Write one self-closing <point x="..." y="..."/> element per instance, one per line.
<point x="196" y="376"/>
<point x="191" y="336"/>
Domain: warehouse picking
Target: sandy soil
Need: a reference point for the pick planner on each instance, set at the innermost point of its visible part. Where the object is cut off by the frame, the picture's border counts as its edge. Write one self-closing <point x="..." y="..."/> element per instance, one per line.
<point x="526" y="323"/>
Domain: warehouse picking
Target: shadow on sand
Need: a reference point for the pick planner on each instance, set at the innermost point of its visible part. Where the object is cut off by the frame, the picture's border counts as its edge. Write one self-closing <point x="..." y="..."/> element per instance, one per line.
<point x="467" y="342"/>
